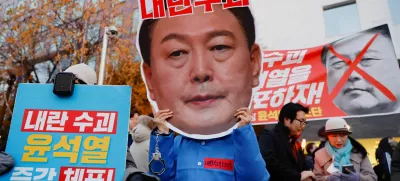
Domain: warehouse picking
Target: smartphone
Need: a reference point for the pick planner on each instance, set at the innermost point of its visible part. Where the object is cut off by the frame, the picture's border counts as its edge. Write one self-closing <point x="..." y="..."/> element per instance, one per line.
<point x="349" y="167"/>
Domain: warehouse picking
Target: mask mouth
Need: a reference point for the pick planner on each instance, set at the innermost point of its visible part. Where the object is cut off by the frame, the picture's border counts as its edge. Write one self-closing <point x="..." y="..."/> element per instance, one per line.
<point x="204" y="98"/>
<point x="356" y="89"/>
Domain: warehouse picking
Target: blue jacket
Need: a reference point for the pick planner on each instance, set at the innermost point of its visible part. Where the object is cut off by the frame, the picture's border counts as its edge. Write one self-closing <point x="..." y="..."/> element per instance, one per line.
<point x="233" y="157"/>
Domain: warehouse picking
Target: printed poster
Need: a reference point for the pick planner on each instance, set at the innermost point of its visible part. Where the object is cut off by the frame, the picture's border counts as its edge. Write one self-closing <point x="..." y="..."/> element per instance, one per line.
<point x="83" y="137"/>
<point x="351" y="77"/>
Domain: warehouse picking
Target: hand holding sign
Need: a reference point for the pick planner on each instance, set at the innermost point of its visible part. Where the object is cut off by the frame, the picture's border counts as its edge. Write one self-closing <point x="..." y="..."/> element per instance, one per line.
<point x="243" y="115"/>
<point x="160" y="120"/>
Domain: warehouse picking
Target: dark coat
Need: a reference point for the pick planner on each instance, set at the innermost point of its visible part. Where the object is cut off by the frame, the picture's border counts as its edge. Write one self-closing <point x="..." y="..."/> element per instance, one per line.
<point x="130" y="140"/>
<point x="310" y="162"/>
<point x="284" y="158"/>
<point x="396" y="164"/>
<point x="382" y="169"/>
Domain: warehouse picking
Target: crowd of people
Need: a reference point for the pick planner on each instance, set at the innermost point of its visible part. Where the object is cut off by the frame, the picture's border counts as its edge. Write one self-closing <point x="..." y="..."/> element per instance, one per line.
<point x="154" y="152"/>
<point x="280" y="157"/>
<point x="338" y="157"/>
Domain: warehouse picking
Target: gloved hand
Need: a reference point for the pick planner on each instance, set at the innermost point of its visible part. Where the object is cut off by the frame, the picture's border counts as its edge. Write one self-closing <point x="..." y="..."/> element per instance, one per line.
<point x="6" y="162"/>
<point x="350" y="177"/>
<point x="334" y="177"/>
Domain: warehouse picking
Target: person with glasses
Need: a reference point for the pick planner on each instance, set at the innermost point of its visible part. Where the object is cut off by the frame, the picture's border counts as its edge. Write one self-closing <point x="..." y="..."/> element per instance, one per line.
<point x="343" y="158"/>
<point x="282" y="153"/>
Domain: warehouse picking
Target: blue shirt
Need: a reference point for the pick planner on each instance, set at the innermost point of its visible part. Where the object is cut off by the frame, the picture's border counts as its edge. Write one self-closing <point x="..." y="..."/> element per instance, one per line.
<point x="233" y="157"/>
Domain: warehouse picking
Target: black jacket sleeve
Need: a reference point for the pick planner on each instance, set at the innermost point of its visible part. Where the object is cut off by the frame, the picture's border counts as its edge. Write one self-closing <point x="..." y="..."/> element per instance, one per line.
<point x="275" y="167"/>
<point x="396" y="164"/>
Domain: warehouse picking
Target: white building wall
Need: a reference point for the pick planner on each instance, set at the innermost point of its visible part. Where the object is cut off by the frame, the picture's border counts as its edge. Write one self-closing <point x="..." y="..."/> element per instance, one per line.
<point x="296" y="24"/>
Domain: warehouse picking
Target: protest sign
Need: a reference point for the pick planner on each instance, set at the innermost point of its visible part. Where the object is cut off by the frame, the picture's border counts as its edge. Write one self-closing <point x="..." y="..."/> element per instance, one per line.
<point x="314" y="77"/>
<point x="69" y="138"/>
<point x="351" y="77"/>
<point x="202" y="95"/>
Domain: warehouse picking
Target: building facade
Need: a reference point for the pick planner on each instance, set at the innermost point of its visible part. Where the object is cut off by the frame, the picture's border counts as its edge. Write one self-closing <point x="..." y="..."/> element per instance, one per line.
<point x="290" y="24"/>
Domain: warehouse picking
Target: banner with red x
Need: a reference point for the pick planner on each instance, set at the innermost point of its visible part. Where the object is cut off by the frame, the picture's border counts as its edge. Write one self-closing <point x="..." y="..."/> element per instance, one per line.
<point x="301" y="76"/>
<point x="353" y="67"/>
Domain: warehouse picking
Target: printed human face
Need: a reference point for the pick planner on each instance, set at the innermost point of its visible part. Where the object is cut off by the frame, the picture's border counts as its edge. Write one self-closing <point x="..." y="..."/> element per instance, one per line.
<point x="338" y="140"/>
<point x="359" y="96"/>
<point x="297" y="126"/>
<point x="202" y="70"/>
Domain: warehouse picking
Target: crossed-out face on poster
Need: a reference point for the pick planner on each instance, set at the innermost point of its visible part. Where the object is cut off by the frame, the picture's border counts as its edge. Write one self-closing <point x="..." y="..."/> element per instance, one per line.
<point x="351" y="77"/>
<point x="200" y="61"/>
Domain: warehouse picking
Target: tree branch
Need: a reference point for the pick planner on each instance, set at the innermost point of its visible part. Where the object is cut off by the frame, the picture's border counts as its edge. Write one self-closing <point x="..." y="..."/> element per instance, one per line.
<point x="52" y="71"/>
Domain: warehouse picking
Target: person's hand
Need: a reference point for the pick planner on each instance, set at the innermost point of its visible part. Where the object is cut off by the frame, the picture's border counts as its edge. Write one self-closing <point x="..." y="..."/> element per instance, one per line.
<point x="307" y="175"/>
<point x="334" y="177"/>
<point x="243" y="115"/>
<point x="160" y="120"/>
<point x="350" y="177"/>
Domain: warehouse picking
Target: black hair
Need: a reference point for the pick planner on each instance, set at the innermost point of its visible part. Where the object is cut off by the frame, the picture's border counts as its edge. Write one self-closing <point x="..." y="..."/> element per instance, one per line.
<point x="290" y="110"/>
<point x="385" y="146"/>
<point x="378" y="154"/>
<point x="383" y="30"/>
<point x="133" y="112"/>
<point x="242" y="14"/>
<point x="309" y="147"/>
<point x="321" y="132"/>
<point x="358" y="147"/>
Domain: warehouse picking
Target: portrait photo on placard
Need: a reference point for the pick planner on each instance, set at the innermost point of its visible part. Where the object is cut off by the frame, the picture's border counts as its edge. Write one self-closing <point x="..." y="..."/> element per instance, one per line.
<point x="202" y="66"/>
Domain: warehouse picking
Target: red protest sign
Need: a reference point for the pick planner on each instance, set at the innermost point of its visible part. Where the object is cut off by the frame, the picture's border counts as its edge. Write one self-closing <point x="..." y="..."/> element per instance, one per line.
<point x="349" y="77"/>
<point x="179" y="7"/>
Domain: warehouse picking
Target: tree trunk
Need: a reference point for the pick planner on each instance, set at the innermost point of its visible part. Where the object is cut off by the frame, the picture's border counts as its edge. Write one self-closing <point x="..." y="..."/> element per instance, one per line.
<point x="3" y="111"/>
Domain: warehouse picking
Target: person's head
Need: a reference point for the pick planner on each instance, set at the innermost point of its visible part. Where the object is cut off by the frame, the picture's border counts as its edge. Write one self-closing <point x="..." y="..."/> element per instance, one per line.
<point x="146" y="121"/>
<point x="84" y="74"/>
<point x="337" y="131"/>
<point x="310" y="148"/>
<point x="358" y="95"/>
<point x="321" y="134"/>
<point x="133" y="118"/>
<point x="201" y="66"/>
<point x="293" y="116"/>
<point x="385" y="145"/>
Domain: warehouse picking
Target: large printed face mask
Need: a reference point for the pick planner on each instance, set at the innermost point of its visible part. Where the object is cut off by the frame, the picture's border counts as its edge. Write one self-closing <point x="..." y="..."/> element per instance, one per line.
<point x="201" y="69"/>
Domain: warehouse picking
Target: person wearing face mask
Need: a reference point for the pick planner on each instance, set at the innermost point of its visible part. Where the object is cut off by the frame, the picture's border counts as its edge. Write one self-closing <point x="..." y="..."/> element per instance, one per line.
<point x="340" y="151"/>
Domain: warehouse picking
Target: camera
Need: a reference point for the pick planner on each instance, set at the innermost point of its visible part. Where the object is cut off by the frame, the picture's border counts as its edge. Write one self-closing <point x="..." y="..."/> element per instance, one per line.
<point x="64" y="84"/>
<point x="112" y="31"/>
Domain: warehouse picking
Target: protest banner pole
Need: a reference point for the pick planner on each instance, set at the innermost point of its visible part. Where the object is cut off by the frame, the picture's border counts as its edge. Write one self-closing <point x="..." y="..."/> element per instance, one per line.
<point x="103" y="56"/>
